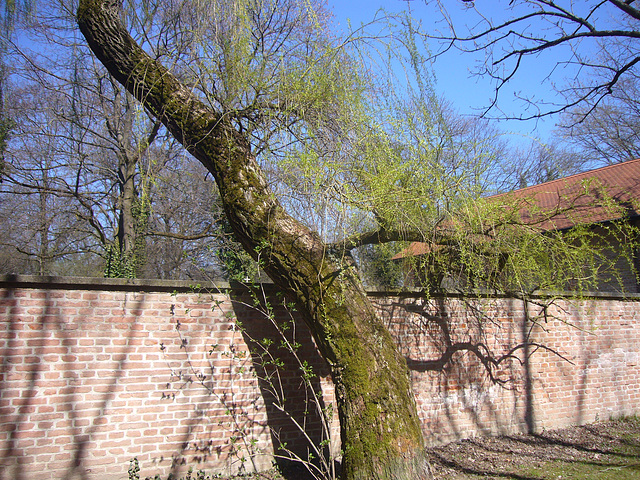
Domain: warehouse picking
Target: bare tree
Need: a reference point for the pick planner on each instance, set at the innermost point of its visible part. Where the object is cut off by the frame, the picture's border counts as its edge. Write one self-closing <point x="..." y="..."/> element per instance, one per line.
<point x="611" y="132"/>
<point x="11" y="12"/>
<point x="598" y="43"/>
<point x="539" y="162"/>
<point x="105" y="158"/>
<point x="184" y="230"/>
<point x="43" y="221"/>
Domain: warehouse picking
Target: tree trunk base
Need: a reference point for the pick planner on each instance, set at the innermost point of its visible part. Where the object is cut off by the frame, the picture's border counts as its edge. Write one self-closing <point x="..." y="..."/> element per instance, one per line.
<point x="415" y="468"/>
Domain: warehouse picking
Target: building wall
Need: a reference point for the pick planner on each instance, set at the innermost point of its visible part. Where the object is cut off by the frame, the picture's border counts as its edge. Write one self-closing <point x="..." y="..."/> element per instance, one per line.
<point x="624" y="259"/>
<point x="96" y="372"/>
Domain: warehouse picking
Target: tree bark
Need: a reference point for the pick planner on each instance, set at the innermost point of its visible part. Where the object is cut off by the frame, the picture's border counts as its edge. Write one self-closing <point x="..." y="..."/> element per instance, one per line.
<point x="121" y="130"/>
<point x="380" y="430"/>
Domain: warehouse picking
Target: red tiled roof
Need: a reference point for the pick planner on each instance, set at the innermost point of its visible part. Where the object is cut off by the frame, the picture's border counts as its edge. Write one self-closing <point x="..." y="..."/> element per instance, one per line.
<point x="586" y="194"/>
<point x="586" y="197"/>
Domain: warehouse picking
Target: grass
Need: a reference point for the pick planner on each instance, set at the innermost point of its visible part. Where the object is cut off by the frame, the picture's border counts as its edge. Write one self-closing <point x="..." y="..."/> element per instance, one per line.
<point x="602" y="451"/>
<point x="621" y="462"/>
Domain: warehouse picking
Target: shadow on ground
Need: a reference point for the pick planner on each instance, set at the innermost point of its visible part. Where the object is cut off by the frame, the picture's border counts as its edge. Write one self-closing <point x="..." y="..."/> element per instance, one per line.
<point x="604" y="450"/>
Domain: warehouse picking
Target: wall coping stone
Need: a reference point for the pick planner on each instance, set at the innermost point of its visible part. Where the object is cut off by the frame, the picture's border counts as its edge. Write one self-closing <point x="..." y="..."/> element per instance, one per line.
<point x="113" y="284"/>
<point x="223" y="286"/>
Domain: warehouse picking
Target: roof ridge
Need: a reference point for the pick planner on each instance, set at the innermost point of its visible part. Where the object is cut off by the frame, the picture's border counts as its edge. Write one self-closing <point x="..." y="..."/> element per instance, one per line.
<point x="564" y="180"/>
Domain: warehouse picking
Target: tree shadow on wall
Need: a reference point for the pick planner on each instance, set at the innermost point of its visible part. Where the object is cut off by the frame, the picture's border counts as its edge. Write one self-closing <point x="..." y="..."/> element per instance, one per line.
<point x="259" y="386"/>
<point x="289" y="370"/>
<point x="29" y="346"/>
<point x="468" y="352"/>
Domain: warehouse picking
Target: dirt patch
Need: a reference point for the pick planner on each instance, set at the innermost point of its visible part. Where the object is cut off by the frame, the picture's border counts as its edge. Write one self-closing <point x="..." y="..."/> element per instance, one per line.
<point x="600" y="450"/>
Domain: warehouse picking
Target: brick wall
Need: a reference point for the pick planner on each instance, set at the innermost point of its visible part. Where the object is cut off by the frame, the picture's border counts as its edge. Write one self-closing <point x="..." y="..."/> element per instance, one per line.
<point x="96" y="372"/>
<point x="583" y="362"/>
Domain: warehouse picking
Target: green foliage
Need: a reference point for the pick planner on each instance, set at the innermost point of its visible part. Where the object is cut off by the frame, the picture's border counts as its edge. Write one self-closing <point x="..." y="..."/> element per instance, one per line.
<point x="395" y="158"/>
<point x="510" y="244"/>
<point x="267" y="63"/>
<point x="134" y="469"/>
<point x="121" y="263"/>
<point x="377" y="267"/>
<point x="134" y="473"/>
<point x="237" y="265"/>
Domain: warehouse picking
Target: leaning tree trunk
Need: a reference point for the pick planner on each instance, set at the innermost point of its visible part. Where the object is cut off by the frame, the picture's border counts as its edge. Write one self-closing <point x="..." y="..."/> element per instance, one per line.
<point x="380" y="429"/>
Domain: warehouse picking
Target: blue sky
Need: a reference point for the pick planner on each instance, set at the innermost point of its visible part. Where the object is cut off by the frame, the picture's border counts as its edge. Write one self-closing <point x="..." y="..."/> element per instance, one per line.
<point x="454" y="80"/>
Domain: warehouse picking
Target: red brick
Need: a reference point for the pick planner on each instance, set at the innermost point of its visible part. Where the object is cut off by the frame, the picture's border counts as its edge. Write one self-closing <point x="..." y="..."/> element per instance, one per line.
<point x="82" y="392"/>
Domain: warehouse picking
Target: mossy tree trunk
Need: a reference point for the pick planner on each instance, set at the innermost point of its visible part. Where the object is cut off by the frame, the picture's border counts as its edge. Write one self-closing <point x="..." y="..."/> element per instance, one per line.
<point x="128" y="159"/>
<point x="127" y="256"/>
<point x="380" y="429"/>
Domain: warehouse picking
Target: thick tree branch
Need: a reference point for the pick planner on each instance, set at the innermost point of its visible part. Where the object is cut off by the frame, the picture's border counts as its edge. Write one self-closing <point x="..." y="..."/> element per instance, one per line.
<point x="627" y="8"/>
<point x="375" y="237"/>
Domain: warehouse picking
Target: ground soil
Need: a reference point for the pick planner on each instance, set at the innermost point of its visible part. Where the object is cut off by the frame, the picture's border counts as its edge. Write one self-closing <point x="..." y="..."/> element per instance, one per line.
<point x="602" y="451"/>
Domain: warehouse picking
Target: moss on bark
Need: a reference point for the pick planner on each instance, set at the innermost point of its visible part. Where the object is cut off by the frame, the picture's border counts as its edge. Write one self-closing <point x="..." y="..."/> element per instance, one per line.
<point x="380" y="429"/>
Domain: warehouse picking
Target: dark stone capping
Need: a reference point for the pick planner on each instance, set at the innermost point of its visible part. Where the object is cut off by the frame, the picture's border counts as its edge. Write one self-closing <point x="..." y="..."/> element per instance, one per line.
<point x="223" y="286"/>
<point x="114" y="284"/>
<point x="416" y="292"/>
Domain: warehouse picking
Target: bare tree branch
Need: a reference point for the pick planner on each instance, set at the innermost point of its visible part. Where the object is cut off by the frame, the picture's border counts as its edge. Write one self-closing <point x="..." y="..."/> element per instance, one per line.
<point x="537" y="26"/>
